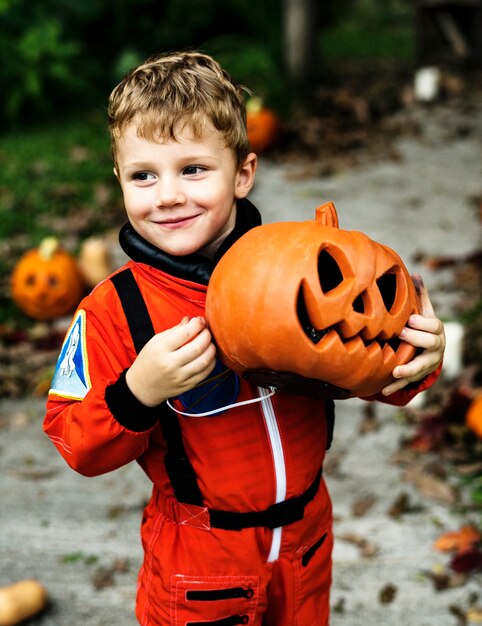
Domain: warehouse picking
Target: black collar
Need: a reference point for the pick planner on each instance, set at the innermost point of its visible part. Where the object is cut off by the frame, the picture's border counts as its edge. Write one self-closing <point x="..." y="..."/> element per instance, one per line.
<point x="192" y="267"/>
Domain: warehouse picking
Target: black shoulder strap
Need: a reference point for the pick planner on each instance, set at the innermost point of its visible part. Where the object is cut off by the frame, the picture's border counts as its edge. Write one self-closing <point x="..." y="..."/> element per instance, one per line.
<point x="135" y="309"/>
<point x="178" y="467"/>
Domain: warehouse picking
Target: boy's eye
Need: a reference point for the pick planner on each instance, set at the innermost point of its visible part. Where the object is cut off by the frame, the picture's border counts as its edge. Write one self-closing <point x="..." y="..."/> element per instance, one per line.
<point x="142" y="176"/>
<point x="192" y="170"/>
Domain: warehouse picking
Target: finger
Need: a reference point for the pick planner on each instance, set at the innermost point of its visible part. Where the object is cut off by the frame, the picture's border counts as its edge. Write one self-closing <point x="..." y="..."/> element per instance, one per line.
<point x="194" y="349"/>
<point x="393" y="387"/>
<point x="430" y="325"/>
<point x="177" y="336"/>
<point x="198" y="370"/>
<point x="204" y="365"/>
<point x="418" y="368"/>
<point x="423" y="297"/>
<point x="421" y="339"/>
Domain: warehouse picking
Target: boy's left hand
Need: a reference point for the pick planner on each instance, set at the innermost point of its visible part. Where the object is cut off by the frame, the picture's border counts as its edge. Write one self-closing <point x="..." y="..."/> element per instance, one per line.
<point x="423" y="331"/>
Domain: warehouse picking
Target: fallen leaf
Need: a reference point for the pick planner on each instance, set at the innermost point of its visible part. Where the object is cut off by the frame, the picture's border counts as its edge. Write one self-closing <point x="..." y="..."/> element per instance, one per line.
<point x="104" y="577"/>
<point x="367" y="548"/>
<point x="387" y="594"/>
<point x="467" y="562"/>
<point x="361" y="506"/>
<point x="32" y="474"/>
<point x="339" y="606"/>
<point x="402" y="505"/>
<point x="431" y="486"/>
<point x="458" y="540"/>
<point x="443" y="579"/>
<point x="370" y="421"/>
<point x="459" y="614"/>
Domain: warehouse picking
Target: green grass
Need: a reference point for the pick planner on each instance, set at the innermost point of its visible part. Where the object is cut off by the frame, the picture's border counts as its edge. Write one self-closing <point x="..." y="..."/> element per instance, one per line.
<point x="51" y="171"/>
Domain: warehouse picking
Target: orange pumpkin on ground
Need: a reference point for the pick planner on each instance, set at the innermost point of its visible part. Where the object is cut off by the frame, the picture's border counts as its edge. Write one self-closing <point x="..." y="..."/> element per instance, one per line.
<point x="21" y="601"/>
<point x="46" y="283"/>
<point x="263" y="126"/>
<point x="313" y="300"/>
<point x="473" y="417"/>
<point x="94" y="260"/>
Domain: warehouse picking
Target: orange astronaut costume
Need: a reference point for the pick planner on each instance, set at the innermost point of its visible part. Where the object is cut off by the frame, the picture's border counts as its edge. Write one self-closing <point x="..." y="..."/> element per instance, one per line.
<point x="238" y="528"/>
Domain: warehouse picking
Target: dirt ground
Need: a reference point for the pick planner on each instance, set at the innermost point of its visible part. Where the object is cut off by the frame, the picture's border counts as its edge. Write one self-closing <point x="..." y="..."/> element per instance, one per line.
<point x="79" y="536"/>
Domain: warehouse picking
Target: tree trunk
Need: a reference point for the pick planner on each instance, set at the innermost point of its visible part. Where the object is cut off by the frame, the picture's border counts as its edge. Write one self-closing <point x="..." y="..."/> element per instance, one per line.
<point x="300" y="28"/>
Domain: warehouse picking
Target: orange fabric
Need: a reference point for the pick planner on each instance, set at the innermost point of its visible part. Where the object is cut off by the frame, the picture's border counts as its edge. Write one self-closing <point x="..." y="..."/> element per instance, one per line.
<point x="181" y="557"/>
<point x="234" y="465"/>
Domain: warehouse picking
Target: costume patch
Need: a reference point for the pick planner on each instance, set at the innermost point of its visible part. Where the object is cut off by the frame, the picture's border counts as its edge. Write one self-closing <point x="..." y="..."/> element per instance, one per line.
<point x="71" y="378"/>
<point x="218" y="390"/>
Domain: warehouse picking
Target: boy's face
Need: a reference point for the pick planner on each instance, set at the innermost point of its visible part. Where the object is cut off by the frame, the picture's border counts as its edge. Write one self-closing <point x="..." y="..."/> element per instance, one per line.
<point x="181" y="195"/>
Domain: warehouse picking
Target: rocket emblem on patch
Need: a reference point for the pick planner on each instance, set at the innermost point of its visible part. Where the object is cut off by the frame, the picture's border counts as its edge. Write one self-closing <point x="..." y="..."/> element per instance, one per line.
<point x="71" y="378"/>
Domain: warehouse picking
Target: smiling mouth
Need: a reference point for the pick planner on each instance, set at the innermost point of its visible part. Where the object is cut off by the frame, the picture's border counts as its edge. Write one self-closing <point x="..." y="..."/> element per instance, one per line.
<point x="177" y="222"/>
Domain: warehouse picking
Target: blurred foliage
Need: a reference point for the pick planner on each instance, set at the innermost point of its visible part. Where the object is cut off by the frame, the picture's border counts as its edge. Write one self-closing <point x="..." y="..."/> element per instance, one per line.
<point x="370" y="30"/>
<point x="64" y="54"/>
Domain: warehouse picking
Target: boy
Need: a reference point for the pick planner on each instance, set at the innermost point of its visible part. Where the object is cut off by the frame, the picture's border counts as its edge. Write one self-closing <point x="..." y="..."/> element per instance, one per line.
<point x="238" y="528"/>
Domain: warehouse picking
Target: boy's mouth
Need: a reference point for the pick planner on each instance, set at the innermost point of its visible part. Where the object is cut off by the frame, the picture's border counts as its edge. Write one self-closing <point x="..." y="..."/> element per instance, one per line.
<point x="177" y="222"/>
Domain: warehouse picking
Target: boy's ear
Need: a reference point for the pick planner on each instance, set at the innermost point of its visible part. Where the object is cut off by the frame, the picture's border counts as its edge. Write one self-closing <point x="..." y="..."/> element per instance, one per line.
<point x="116" y="173"/>
<point x="245" y="176"/>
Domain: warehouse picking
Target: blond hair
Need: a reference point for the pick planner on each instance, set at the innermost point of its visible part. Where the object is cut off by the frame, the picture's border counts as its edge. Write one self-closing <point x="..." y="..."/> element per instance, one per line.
<point x="170" y="92"/>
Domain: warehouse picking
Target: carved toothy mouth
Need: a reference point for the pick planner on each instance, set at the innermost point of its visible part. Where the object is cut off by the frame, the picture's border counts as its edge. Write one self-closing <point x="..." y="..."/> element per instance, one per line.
<point x="331" y="276"/>
<point x="315" y="335"/>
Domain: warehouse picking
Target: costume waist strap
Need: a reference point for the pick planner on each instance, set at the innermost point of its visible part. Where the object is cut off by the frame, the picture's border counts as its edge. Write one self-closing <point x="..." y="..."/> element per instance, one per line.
<point x="280" y="514"/>
<point x="276" y="515"/>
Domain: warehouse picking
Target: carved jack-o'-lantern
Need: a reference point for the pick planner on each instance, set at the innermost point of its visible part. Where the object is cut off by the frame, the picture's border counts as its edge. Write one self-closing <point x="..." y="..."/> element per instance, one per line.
<point x="313" y="300"/>
<point x="46" y="282"/>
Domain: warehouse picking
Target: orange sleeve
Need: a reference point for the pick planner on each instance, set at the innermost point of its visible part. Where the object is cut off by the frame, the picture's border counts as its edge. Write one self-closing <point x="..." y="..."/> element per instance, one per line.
<point x="93" y="420"/>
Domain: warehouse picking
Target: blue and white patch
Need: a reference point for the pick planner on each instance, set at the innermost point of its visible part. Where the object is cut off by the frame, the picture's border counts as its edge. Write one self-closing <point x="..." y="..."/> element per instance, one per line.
<point x="71" y="378"/>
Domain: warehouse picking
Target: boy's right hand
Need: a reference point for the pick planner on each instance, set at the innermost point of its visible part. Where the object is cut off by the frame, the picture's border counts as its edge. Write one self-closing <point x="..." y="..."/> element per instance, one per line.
<point x="172" y="362"/>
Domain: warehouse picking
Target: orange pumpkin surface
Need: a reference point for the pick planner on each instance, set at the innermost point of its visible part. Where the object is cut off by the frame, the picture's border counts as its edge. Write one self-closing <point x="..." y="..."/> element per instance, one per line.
<point x="473" y="417"/>
<point x="313" y="300"/>
<point x="46" y="283"/>
<point x="263" y="126"/>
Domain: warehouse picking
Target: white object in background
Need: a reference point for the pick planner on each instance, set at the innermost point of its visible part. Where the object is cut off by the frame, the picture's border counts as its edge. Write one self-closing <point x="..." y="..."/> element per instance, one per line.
<point x="454" y="336"/>
<point x="427" y="84"/>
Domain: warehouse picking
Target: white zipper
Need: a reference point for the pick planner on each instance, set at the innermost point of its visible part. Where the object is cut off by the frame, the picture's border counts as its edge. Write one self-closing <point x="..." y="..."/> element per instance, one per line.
<point x="279" y="465"/>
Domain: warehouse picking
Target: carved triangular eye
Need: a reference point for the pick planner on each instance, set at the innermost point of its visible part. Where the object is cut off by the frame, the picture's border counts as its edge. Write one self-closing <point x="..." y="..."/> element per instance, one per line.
<point x="387" y="285"/>
<point x="329" y="272"/>
<point x="359" y="304"/>
<point x="314" y="334"/>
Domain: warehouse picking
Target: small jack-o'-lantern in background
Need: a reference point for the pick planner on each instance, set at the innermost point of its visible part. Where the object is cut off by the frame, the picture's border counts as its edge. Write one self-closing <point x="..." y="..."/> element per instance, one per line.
<point x="263" y="126"/>
<point x="46" y="282"/>
<point x="313" y="300"/>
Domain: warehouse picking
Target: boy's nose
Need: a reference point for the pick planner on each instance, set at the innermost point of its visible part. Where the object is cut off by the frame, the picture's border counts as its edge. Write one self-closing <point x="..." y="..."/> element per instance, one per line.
<point x="168" y="193"/>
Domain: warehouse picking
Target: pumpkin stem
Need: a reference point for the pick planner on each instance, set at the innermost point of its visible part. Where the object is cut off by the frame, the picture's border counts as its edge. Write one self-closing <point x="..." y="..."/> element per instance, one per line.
<point x="254" y="104"/>
<point x="326" y="215"/>
<point x="48" y="247"/>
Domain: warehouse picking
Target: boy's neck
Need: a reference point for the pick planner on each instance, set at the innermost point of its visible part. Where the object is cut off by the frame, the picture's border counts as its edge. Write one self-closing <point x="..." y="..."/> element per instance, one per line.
<point x="193" y="267"/>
